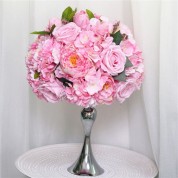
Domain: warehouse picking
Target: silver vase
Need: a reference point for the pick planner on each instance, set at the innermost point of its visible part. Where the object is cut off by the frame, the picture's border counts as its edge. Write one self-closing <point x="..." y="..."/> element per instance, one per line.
<point x="86" y="164"/>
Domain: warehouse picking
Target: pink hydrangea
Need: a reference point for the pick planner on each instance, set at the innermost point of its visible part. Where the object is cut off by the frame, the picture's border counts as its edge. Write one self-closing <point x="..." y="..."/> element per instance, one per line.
<point x="128" y="47"/>
<point x="81" y="61"/>
<point x="101" y="27"/>
<point x="95" y="81"/>
<point x="85" y="39"/>
<point x="125" y="30"/>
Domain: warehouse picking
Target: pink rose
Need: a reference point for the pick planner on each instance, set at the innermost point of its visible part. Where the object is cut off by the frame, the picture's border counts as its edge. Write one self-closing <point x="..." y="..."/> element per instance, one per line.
<point x="81" y="19"/>
<point x="66" y="33"/>
<point x="113" y="60"/>
<point x="124" y="90"/>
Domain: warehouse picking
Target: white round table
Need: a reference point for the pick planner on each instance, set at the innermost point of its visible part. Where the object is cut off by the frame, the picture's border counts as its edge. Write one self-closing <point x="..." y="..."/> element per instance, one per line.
<point x="52" y="162"/>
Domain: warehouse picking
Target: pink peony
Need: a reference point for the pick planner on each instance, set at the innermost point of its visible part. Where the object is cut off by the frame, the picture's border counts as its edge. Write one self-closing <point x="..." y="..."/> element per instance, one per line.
<point x="51" y="91"/>
<point x="107" y="94"/>
<point x="81" y="19"/>
<point x="113" y="60"/>
<point x="74" y="63"/>
<point x="66" y="33"/>
<point x="78" y="94"/>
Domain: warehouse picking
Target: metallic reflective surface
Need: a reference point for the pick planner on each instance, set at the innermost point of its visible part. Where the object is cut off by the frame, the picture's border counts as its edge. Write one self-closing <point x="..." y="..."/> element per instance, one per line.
<point x="86" y="164"/>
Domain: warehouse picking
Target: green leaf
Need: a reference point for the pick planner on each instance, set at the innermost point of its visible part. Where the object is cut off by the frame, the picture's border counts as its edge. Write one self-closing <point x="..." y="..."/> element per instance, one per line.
<point x="65" y="13"/>
<point x="90" y="14"/>
<point x="36" y="75"/>
<point x="40" y="33"/>
<point x="117" y="37"/>
<point x="68" y="14"/>
<point x="128" y="63"/>
<point x="52" y="28"/>
<point x="44" y="32"/>
<point x="120" y="77"/>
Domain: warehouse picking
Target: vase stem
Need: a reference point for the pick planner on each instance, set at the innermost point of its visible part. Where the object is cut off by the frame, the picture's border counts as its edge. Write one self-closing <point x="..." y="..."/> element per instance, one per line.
<point x="86" y="164"/>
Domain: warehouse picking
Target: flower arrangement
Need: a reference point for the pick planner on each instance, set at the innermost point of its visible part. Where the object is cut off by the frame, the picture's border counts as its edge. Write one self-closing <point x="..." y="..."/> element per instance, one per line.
<point x="85" y="59"/>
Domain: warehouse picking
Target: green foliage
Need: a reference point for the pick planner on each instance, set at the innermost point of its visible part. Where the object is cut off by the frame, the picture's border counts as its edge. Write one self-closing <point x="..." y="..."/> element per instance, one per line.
<point x="68" y="14"/>
<point x="44" y="32"/>
<point x="117" y="37"/>
<point x="90" y="14"/>
<point x="40" y="33"/>
<point x="128" y="63"/>
<point x="120" y="77"/>
<point x="52" y="28"/>
<point x="36" y="75"/>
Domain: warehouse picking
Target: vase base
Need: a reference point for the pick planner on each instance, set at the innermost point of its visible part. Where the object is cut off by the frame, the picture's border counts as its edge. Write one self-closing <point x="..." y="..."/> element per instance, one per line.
<point x="86" y="164"/>
<point x="94" y="170"/>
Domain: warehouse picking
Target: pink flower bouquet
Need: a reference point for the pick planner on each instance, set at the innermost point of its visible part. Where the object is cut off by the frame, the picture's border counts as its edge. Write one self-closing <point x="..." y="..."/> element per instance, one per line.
<point x="85" y="59"/>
